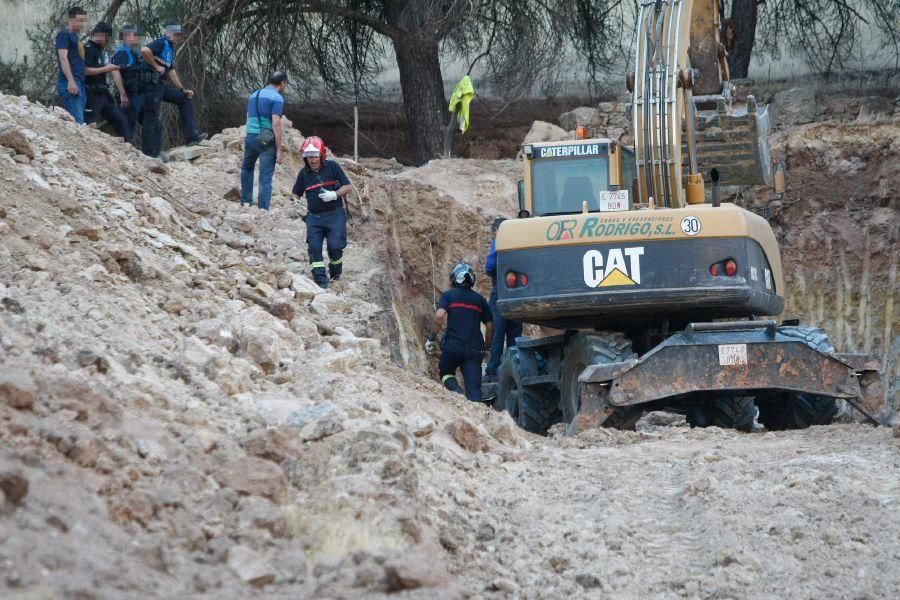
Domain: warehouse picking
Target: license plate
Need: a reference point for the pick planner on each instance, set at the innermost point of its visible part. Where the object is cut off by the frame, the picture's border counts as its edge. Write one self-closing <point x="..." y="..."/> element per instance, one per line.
<point x="732" y="354"/>
<point x="613" y="201"/>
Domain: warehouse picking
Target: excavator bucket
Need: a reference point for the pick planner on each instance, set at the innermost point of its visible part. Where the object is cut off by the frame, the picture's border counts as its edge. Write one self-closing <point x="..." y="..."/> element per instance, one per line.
<point x="734" y="141"/>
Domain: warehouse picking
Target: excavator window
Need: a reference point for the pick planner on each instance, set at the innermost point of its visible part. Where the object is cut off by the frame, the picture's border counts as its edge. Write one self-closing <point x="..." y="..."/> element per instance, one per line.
<point x="562" y="185"/>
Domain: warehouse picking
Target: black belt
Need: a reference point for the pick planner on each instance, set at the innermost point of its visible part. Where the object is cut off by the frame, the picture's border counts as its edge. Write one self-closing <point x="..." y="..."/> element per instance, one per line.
<point x="327" y="210"/>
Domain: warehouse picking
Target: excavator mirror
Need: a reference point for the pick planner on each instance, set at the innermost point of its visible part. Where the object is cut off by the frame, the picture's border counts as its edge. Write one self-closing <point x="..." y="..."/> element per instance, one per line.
<point x="520" y="188"/>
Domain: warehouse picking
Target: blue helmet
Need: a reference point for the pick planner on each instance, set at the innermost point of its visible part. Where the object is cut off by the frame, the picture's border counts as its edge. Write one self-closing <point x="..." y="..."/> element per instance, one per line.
<point x="462" y="275"/>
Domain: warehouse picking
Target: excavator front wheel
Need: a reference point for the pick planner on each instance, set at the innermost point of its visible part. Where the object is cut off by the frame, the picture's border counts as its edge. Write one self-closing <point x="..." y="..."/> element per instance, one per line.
<point x="584" y="349"/>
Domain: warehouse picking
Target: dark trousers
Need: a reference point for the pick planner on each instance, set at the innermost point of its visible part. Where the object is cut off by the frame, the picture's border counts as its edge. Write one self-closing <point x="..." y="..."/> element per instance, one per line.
<point x="134" y="113"/>
<point x="468" y="360"/>
<point x="326" y="227"/>
<point x="505" y="330"/>
<point x="154" y="96"/>
<point x="102" y="104"/>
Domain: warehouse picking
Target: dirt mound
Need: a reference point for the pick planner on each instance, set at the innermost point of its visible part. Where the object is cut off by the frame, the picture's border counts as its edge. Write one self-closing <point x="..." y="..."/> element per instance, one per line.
<point x="839" y="230"/>
<point x="182" y="412"/>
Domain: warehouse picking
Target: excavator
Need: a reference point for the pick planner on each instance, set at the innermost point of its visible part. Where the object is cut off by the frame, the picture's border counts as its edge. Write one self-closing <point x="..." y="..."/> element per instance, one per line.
<point x="661" y="297"/>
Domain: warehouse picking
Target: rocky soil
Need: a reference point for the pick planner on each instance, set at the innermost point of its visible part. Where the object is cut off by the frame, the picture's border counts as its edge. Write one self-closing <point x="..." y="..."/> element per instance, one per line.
<point x="182" y="413"/>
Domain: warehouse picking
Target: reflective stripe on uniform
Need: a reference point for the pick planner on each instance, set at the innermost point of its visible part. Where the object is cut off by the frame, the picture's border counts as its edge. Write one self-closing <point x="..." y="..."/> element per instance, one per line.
<point x="446" y="377"/>
<point x="317" y="265"/>
<point x="338" y="261"/>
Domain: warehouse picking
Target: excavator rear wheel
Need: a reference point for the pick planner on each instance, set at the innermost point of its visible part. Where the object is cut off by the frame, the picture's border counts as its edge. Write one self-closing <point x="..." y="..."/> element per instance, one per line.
<point x="585" y="349"/>
<point x="533" y="408"/>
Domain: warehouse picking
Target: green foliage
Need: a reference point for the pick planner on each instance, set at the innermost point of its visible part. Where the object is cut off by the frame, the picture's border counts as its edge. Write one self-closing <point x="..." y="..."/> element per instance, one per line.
<point x="12" y="77"/>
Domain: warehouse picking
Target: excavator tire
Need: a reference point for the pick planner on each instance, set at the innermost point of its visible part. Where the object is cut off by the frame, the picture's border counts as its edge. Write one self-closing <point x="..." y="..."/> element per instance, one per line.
<point x="585" y="349"/>
<point x="797" y="410"/>
<point x="534" y="408"/>
<point x="726" y="412"/>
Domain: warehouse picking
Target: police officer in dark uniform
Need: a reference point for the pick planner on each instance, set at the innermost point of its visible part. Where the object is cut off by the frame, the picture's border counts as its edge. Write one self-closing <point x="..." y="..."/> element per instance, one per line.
<point x="159" y="68"/>
<point x="463" y="347"/>
<point x="324" y="184"/>
<point x="128" y="58"/>
<point x="100" y="102"/>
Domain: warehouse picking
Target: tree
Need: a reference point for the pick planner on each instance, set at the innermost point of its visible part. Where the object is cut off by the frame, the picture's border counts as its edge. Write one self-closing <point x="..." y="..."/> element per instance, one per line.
<point x="522" y="41"/>
<point x="829" y="34"/>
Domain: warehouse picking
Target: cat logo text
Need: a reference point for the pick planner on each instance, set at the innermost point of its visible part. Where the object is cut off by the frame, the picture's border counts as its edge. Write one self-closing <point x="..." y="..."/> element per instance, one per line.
<point x="613" y="267"/>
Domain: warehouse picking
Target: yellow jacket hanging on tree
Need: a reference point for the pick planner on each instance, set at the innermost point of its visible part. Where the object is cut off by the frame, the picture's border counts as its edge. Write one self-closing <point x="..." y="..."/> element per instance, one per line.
<point x="460" y="100"/>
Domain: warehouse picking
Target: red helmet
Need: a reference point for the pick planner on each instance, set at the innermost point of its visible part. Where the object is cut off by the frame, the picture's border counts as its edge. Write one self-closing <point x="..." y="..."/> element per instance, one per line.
<point x="313" y="146"/>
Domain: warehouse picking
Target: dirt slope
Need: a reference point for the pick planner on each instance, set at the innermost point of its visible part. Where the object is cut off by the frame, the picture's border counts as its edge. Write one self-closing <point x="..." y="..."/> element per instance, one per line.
<point x="181" y="413"/>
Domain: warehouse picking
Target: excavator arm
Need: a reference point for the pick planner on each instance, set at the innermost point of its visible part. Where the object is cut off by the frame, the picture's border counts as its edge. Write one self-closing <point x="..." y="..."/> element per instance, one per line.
<point x="686" y="121"/>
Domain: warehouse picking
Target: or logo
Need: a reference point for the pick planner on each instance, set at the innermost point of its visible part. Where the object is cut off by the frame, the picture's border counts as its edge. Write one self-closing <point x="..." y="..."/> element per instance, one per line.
<point x="690" y="225"/>
<point x="620" y="266"/>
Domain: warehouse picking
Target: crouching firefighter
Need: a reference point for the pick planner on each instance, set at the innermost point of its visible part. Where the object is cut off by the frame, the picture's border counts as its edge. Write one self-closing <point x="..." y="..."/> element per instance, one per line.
<point x="463" y="346"/>
<point x="324" y="184"/>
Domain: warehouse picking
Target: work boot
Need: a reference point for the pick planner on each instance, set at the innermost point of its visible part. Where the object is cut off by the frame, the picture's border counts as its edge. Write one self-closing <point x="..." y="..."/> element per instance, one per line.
<point x="334" y="271"/>
<point x="196" y="139"/>
<point x="320" y="277"/>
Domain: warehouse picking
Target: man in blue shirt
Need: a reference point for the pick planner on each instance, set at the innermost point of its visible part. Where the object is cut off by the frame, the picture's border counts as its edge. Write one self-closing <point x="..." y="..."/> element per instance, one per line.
<point x="505" y="330"/>
<point x="128" y="58"/>
<point x="70" y="60"/>
<point x="264" y="110"/>
<point x="463" y="346"/>
<point x="159" y="57"/>
<point x="324" y="184"/>
<point x="100" y="102"/>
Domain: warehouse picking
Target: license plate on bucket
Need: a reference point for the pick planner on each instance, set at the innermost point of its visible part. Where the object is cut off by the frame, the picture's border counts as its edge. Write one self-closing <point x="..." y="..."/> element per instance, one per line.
<point x="732" y="354"/>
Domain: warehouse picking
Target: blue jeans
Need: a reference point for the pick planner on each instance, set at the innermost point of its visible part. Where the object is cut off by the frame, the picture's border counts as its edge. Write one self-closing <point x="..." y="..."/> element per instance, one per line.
<point x="266" y="157"/>
<point x="505" y="330"/>
<point x="74" y="104"/>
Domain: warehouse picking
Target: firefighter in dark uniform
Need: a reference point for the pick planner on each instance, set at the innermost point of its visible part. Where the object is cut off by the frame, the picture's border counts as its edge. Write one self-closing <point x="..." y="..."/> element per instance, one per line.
<point x="463" y="346"/>
<point x="159" y="71"/>
<point x="324" y="184"/>
<point x="128" y="58"/>
<point x="100" y="103"/>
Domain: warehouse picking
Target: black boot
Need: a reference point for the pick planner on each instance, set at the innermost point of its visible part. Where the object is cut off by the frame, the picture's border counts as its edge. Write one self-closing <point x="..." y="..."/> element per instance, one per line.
<point x="320" y="277"/>
<point x="335" y="270"/>
<point x="196" y="139"/>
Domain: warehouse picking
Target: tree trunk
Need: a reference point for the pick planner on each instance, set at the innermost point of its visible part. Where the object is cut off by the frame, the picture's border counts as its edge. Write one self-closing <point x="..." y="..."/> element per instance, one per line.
<point x="423" y="95"/>
<point x="743" y="17"/>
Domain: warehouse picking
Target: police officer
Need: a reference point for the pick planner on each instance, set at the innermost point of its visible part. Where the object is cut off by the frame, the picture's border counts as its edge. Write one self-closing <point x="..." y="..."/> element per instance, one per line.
<point x="100" y="102"/>
<point x="159" y="59"/>
<point x="463" y="346"/>
<point x="128" y="58"/>
<point x="505" y="330"/>
<point x="324" y="184"/>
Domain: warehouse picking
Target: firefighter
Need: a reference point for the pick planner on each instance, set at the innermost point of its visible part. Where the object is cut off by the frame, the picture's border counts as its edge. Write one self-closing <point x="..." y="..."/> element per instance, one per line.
<point x="324" y="185"/>
<point x="463" y="347"/>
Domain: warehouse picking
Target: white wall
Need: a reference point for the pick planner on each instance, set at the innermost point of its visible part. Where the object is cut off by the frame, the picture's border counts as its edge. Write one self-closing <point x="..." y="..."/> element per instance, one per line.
<point x="17" y="17"/>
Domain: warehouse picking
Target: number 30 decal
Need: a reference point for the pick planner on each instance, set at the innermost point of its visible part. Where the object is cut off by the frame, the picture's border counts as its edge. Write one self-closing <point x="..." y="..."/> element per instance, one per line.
<point x="690" y="225"/>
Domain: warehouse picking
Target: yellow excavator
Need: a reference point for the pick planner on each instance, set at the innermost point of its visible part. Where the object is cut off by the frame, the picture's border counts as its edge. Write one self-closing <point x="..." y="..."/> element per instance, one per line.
<point x="664" y="297"/>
